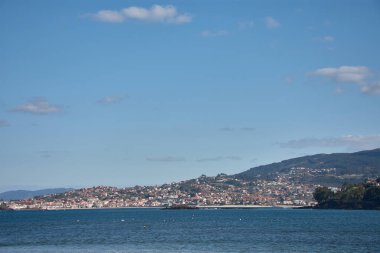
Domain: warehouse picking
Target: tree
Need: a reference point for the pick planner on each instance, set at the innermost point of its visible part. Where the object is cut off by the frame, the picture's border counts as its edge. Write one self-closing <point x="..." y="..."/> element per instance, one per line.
<point x="372" y="194"/>
<point x="352" y="193"/>
<point x="322" y="194"/>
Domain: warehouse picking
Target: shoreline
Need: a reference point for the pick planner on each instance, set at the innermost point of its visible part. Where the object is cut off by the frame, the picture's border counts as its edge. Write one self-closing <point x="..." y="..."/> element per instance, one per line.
<point x="245" y="206"/>
<point x="160" y="207"/>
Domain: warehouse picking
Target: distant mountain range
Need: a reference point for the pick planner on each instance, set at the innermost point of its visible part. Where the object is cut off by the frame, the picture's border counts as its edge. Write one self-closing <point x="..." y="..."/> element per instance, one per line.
<point x="347" y="167"/>
<point x="23" y="194"/>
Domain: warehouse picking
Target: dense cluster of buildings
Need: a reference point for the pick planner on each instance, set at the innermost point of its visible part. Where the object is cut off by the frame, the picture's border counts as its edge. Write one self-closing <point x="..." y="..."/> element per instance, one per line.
<point x="282" y="189"/>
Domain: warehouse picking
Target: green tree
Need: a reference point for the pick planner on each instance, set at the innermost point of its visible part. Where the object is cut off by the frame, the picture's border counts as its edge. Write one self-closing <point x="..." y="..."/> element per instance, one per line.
<point x="322" y="194"/>
<point x="352" y="193"/>
<point x="372" y="194"/>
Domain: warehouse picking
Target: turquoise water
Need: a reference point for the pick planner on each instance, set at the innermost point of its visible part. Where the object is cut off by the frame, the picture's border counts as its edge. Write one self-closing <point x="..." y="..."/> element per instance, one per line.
<point x="154" y="230"/>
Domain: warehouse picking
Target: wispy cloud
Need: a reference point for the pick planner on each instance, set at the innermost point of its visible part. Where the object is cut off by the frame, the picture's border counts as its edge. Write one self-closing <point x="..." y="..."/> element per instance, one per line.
<point x="226" y="129"/>
<point x="45" y="154"/>
<point x="271" y="23"/>
<point x="347" y="141"/>
<point x="248" y="24"/>
<point x="39" y="106"/>
<point x="219" y="158"/>
<point x="214" y="33"/>
<point x="326" y="39"/>
<point x="248" y="129"/>
<point x="289" y="80"/>
<point x="371" y="89"/>
<point x="166" y="159"/>
<point x="4" y="123"/>
<point x="111" y="100"/>
<point x="339" y="91"/>
<point x="156" y="13"/>
<point x="352" y="74"/>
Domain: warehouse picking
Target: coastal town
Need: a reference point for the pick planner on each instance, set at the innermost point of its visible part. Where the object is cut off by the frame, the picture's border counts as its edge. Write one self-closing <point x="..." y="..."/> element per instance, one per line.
<point x="285" y="189"/>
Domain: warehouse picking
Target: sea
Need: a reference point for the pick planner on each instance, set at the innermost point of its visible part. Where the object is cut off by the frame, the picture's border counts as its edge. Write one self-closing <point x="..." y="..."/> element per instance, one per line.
<point x="203" y="230"/>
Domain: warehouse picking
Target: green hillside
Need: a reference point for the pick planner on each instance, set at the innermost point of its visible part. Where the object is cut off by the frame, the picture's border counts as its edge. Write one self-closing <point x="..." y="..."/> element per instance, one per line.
<point x="349" y="167"/>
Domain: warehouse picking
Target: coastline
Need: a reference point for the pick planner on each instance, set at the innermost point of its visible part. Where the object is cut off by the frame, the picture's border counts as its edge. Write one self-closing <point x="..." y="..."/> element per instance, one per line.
<point x="160" y="207"/>
<point x="245" y="206"/>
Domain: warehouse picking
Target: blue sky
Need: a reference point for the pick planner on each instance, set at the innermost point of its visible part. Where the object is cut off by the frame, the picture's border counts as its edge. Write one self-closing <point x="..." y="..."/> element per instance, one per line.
<point x="146" y="92"/>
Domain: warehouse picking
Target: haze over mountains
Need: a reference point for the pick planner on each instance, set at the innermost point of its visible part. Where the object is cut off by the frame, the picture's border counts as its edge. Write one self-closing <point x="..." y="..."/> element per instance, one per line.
<point x="24" y="194"/>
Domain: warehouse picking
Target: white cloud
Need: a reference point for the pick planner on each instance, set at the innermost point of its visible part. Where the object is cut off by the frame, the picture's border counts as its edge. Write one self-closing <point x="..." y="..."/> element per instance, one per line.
<point x="219" y="158"/>
<point x="214" y="33"/>
<point x="371" y="89"/>
<point x="157" y="13"/>
<point x="109" y="16"/>
<point x="166" y="159"/>
<point x="136" y="13"/>
<point x="37" y="106"/>
<point x="186" y="18"/>
<point x="350" y="74"/>
<point x="4" y="123"/>
<point x="349" y="141"/>
<point x="111" y="100"/>
<point x="271" y="23"/>
<point x="359" y="75"/>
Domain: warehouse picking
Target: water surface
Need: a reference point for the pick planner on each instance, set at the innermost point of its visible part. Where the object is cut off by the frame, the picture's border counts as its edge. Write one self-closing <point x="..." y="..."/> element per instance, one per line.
<point x="154" y="230"/>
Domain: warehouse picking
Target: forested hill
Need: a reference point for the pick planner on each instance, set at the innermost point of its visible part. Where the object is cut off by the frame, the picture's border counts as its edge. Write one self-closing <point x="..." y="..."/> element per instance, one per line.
<point x="346" y="167"/>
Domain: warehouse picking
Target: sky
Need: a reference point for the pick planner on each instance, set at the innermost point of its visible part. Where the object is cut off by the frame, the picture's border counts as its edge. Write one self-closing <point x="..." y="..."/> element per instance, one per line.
<point x="126" y="93"/>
